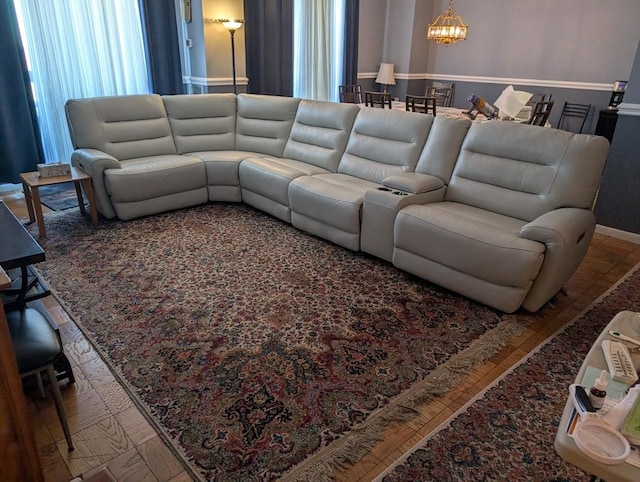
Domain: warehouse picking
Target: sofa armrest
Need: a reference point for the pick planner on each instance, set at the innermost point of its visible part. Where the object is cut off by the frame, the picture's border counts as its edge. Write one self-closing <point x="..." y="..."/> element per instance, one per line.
<point x="94" y="162"/>
<point x="566" y="234"/>
<point x="413" y="182"/>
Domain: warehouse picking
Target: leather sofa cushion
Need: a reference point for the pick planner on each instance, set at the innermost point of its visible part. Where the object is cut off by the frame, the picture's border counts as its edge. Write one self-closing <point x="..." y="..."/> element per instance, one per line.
<point x="152" y="177"/>
<point x="526" y="171"/>
<point x="384" y="143"/>
<point x="320" y="133"/>
<point x="469" y="240"/>
<point x="263" y="123"/>
<point x="204" y="122"/>
<point x="125" y="127"/>
<point x="438" y="158"/>
<point x="333" y="199"/>
<point x="270" y="177"/>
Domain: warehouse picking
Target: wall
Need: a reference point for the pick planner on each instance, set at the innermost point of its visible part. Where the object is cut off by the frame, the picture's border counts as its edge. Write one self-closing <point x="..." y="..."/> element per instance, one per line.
<point x="572" y="49"/>
<point x="546" y="46"/>
<point x="210" y="55"/>
<point x="618" y="203"/>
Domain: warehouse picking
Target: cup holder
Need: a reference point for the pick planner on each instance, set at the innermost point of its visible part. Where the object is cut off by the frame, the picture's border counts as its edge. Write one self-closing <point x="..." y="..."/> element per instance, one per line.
<point x="393" y="191"/>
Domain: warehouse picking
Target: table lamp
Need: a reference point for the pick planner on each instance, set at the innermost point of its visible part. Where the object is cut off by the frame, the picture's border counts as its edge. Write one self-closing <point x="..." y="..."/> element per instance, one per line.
<point x="386" y="76"/>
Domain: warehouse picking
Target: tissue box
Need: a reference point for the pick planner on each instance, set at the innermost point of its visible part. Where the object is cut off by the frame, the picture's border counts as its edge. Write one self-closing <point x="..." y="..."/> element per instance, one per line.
<point x="54" y="169"/>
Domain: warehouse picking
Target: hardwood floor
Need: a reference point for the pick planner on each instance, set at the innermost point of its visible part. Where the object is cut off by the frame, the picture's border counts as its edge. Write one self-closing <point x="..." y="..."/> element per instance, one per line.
<point x="110" y="432"/>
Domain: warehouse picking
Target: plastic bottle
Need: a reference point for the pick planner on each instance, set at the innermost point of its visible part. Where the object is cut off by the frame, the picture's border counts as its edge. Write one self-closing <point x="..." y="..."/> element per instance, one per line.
<point x="598" y="391"/>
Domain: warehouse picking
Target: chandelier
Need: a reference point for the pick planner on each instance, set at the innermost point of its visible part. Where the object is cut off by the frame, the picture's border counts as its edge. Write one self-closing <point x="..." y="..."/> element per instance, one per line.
<point x="447" y="28"/>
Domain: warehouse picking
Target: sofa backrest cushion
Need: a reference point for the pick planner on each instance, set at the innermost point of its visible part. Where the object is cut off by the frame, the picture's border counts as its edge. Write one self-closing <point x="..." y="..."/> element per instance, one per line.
<point x="203" y="122"/>
<point x="438" y="158"/>
<point x="524" y="171"/>
<point x="124" y="127"/>
<point x="320" y="133"/>
<point x="384" y="143"/>
<point x="264" y="123"/>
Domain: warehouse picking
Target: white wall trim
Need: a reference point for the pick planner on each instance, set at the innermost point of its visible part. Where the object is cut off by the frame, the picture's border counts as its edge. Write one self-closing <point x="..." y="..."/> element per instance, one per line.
<point x="617" y="233"/>
<point x="629" y="109"/>
<point x="560" y="84"/>
<point x="215" y="81"/>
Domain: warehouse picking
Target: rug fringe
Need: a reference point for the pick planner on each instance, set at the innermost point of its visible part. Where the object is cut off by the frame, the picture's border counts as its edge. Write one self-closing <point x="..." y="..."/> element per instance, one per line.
<point x="359" y="441"/>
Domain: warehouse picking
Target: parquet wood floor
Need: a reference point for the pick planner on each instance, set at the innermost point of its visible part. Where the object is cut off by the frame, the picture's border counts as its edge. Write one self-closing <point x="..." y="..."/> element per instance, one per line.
<point x="109" y="431"/>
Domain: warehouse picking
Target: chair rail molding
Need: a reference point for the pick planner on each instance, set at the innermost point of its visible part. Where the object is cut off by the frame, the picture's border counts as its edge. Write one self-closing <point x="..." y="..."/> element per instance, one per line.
<point x="215" y="81"/>
<point x="561" y="84"/>
<point x="629" y="109"/>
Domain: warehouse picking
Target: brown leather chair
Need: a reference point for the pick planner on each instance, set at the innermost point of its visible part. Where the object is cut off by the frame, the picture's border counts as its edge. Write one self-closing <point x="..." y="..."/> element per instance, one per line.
<point x="377" y="99"/>
<point x="421" y="103"/>
<point x="350" y="93"/>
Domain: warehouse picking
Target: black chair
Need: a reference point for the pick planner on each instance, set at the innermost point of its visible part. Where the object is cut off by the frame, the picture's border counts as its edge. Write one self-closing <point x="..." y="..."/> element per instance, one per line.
<point x="421" y="103"/>
<point x="350" y="93"/>
<point x="540" y="113"/>
<point x="377" y="99"/>
<point x="37" y="346"/>
<point x="578" y="111"/>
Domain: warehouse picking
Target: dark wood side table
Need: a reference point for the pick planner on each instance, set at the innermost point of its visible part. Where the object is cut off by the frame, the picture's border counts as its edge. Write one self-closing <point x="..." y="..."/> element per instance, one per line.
<point x="31" y="181"/>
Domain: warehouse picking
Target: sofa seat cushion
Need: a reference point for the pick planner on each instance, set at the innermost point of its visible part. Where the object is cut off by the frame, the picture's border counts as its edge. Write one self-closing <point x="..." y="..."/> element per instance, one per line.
<point x="151" y="177"/>
<point x="329" y="206"/>
<point x="469" y="240"/>
<point x="269" y="177"/>
<point x="222" y="166"/>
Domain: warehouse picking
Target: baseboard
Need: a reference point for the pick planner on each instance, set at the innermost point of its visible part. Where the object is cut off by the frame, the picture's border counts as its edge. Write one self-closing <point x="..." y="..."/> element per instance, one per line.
<point x="618" y="233"/>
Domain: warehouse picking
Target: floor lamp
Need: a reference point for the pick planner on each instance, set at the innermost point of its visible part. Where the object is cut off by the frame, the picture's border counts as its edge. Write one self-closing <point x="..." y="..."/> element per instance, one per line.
<point x="232" y="25"/>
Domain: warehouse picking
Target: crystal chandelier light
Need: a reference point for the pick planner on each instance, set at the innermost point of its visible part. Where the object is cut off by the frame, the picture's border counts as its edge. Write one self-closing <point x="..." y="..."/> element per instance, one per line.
<point x="447" y="28"/>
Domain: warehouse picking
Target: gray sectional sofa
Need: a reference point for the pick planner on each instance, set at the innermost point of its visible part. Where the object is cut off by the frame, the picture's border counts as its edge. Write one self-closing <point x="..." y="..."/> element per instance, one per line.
<point x="497" y="211"/>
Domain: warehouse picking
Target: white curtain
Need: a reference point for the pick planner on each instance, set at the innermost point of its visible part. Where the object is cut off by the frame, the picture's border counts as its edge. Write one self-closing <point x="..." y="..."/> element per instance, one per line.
<point x="76" y="49"/>
<point x="318" y="48"/>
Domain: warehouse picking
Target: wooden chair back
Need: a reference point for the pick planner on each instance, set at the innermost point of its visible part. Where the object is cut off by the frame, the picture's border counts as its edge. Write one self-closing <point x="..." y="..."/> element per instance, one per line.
<point x="443" y="95"/>
<point x="350" y="93"/>
<point x="421" y="103"/>
<point x="377" y="99"/>
<point x="540" y="113"/>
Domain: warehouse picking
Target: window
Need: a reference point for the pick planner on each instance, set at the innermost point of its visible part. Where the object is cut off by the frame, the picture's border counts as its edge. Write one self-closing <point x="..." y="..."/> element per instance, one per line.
<point x="79" y="49"/>
<point x="318" y="48"/>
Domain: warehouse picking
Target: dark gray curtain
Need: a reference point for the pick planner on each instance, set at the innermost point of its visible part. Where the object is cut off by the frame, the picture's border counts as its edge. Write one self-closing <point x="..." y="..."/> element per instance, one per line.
<point x="269" y="46"/>
<point x="352" y="15"/>
<point x="20" y="145"/>
<point x="161" y="40"/>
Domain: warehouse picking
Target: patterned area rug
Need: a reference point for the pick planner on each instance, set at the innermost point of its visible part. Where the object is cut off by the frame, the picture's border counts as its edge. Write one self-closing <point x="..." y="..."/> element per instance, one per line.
<point x="257" y="350"/>
<point x="59" y="197"/>
<point x="508" y="433"/>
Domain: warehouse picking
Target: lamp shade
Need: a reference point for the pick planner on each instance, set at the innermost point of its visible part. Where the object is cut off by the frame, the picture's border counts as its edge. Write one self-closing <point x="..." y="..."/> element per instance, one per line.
<point x="385" y="75"/>
<point x="230" y="24"/>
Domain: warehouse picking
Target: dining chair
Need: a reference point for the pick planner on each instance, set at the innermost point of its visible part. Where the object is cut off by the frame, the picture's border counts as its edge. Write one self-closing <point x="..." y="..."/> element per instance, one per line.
<point x="443" y="92"/>
<point x="350" y="93"/>
<point x="37" y="346"/>
<point x="421" y="103"/>
<point x="578" y="111"/>
<point x="540" y="113"/>
<point x="377" y="99"/>
<point x="535" y="98"/>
